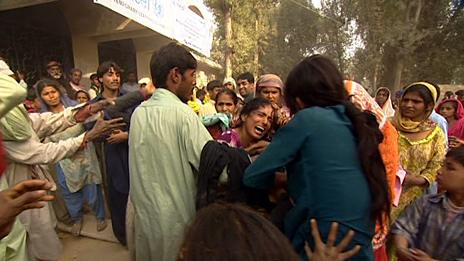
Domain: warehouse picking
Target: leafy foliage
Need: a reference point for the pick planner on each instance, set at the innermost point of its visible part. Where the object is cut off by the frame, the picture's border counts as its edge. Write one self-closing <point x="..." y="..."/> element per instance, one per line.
<point x="380" y="42"/>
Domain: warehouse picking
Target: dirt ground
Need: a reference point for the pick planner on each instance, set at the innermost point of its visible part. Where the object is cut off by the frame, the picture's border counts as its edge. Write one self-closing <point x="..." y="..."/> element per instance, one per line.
<point x="91" y="245"/>
<point x="88" y="249"/>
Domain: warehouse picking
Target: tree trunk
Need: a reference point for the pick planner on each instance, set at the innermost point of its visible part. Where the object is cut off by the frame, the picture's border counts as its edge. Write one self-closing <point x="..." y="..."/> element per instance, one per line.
<point x="397" y="71"/>
<point x="256" y="55"/>
<point x="228" y="38"/>
<point x="374" y="77"/>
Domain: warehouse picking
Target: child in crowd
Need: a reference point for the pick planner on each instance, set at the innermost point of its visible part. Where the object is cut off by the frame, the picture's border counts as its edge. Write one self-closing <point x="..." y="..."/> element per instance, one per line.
<point x="433" y="226"/>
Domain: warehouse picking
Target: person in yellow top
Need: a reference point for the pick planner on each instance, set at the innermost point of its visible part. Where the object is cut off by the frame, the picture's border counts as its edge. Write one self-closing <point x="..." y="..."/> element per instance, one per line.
<point x="421" y="142"/>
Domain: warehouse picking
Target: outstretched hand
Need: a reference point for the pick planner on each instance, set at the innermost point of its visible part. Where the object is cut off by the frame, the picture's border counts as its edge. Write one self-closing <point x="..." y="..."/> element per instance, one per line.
<point x="100" y="105"/>
<point x="89" y="110"/>
<point x="104" y="127"/>
<point x="327" y="251"/>
<point x="25" y="195"/>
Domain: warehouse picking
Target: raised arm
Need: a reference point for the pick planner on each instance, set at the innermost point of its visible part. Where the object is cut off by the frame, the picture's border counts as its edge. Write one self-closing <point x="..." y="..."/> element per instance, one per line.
<point x="11" y="94"/>
<point x="283" y="149"/>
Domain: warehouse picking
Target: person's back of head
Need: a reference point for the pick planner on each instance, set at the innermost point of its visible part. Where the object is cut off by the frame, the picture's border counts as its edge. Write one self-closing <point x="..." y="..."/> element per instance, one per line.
<point x="167" y="58"/>
<point x="201" y="94"/>
<point x="316" y="81"/>
<point x="460" y="94"/>
<point x="233" y="232"/>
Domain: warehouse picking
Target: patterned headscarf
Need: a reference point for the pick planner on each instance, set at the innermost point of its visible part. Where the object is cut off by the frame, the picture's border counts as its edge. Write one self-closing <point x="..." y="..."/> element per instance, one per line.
<point x="363" y="100"/>
<point x="269" y="80"/>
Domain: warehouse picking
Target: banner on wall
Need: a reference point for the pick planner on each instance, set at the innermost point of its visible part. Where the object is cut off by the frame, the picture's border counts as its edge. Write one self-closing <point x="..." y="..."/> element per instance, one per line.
<point x="176" y="19"/>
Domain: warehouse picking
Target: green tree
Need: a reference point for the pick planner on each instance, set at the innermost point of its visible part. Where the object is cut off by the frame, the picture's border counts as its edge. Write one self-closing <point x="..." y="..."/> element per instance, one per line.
<point x="294" y="36"/>
<point x="408" y="40"/>
<point x="242" y="31"/>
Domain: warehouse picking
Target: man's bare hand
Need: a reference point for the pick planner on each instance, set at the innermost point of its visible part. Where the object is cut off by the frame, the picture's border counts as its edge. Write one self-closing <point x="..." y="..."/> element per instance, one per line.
<point x="25" y="195"/>
<point x="118" y="136"/>
<point x="103" y="127"/>
<point x="100" y="105"/>
<point x="257" y="148"/>
<point x="327" y="251"/>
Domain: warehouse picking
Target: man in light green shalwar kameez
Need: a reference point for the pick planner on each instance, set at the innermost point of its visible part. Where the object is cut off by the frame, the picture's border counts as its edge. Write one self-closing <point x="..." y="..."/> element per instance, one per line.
<point x="165" y="143"/>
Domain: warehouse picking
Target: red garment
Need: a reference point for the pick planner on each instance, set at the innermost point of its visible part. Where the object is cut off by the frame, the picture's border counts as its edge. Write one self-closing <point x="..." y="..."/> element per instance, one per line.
<point x="381" y="254"/>
<point x="215" y="131"/>
<point x="457" y="130"/>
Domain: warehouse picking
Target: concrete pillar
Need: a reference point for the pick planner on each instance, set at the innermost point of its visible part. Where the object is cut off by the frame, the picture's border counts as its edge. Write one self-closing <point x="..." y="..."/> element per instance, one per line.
<point x="85" y="52"/>
<point x="143" y="63"/>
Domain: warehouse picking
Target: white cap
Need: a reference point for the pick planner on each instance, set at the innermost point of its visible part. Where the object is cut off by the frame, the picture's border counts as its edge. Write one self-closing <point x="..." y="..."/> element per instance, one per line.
<point x="144" y="80"/>
<point x="5" y="69"/>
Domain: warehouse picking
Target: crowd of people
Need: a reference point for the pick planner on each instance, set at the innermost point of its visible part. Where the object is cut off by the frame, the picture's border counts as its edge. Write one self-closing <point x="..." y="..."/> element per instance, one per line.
<point x="252" y="168"/>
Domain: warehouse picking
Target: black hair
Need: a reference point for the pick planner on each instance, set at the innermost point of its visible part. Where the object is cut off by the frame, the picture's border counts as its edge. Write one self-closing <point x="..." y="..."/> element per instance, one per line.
<point x="229" y="92"/>
<point x="168" y="57"/>
<point x="45" y="83"/>
<point x="316" y="81"/>
<point x="106" y="66"/>
<point x="246" y="76"/>
<point x="213" y="84"/>
<point x="459" y="93"/>
<point x="423" y="92"/>
<point x="201" y="92"/>
<point x="234" y="232"/>
<point x="449" y="93"/>
<point x="456" y="154"/>
<point x="93" y="76"/>
<point x="254" y="104"/>
<point x="85" y="92"/>
<point x="31" y="94"/>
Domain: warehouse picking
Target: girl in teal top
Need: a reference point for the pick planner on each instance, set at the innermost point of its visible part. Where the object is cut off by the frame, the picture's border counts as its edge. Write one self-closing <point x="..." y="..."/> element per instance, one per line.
<point x="330" y="152"/>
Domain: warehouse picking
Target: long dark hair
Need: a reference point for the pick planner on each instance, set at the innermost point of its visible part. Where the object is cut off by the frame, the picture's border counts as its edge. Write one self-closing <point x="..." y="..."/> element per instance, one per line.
<point x="316" y="81"/>
<point x="234" y="232"/>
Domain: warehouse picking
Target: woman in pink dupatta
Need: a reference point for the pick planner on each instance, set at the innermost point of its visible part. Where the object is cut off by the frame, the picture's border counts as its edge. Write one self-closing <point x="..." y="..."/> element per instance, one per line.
<point x="453" y="111"/>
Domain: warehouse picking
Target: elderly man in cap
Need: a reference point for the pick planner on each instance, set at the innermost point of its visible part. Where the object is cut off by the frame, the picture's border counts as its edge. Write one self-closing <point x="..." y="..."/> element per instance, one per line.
<point x="55" y="72"/>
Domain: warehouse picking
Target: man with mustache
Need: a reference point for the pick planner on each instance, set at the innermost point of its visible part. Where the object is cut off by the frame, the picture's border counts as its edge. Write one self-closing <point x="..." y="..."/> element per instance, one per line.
<point x="113" y="150"/>
<point x="55" y="72"/>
